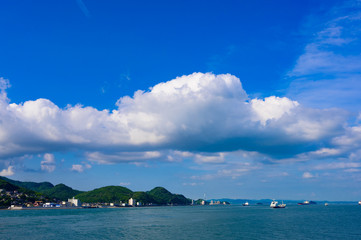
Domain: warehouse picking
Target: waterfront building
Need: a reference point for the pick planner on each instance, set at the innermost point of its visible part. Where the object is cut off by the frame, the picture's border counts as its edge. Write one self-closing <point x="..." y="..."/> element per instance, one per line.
<point x="74" y="202"/>
<point x="132" y="202"/>
<point x="49" y="205"/>
<point x="38" y="203"/>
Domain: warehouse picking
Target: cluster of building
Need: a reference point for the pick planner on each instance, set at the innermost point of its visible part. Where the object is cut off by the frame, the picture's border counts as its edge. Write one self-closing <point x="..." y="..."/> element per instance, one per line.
<point x="72" y="202"/>
<point x="131" y="203"/>
<point x="16" y="198"/>
<point x="204" y="202"/>
<point x="19" y="200"/>
<point x="217" y="203"/>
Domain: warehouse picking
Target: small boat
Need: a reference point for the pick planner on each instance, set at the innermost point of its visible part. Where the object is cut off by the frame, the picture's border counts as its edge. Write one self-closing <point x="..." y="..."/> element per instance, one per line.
<point x="13" y="207"/>
<point x="245" y="204"/>
<point x="304" y="203"/>
<point x="282" y="205"/>
<point x="326" y="204"/>
<point x="274" y="204"/>
<point x="359" y="202"/>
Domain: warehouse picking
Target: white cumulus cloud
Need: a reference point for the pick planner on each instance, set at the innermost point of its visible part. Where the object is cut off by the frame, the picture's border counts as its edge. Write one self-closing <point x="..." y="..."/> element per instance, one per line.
<point x="272" y="108"/>
<point x="7" y="172"/>
<point x="200" y="113"/>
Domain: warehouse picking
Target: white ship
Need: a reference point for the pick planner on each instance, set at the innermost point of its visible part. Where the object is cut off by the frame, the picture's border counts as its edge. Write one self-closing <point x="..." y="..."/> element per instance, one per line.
<point x="245" y="204"/>
<point x="13" y="207"/>
<point x="274" y="204"/>
<point x="359" y="202"/>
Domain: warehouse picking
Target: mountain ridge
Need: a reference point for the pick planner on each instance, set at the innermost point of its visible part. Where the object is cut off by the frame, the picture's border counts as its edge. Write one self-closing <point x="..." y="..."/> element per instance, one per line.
<point x="107" y="194"/>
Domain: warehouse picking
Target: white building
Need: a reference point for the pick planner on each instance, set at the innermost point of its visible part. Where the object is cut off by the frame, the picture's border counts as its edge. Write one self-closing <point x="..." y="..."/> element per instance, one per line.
<point x="132" y="202"/>
<point x="74" y="202"/>
<point x="48" y="204"/>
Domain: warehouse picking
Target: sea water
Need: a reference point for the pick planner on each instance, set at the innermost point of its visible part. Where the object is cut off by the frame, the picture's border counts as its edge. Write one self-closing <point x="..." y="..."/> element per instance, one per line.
<point x="187" y="222"/>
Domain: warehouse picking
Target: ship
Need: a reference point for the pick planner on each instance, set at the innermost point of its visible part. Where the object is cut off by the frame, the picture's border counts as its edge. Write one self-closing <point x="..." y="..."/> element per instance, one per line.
<point x="13" y="207"/>
<point x="307" y="203"/>
<point x="359" y="202"/>
<point x="274" y="204"/>
<point x="245" y="204"/>
<point x="304" y="203"/>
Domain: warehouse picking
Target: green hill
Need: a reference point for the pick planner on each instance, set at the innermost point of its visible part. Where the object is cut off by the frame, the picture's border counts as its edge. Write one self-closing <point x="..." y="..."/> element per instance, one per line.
<point x="143" y="197"/>
<point x="6" y="186"/>
<point x="115" y="194"/>
<point x="20" y="197"/>
<point x="37" y="187"/>
<point x="163" y="197"/>
<point x="106" y="195"/>
<point x="61" y="192"/>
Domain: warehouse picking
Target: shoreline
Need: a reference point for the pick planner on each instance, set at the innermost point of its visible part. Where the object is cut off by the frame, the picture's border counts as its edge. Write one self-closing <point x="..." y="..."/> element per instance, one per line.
<point x="113" y="207"/>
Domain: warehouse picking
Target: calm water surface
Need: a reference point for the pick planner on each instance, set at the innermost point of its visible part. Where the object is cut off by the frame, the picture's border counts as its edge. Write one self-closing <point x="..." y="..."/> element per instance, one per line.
<point x="191" y="222"/>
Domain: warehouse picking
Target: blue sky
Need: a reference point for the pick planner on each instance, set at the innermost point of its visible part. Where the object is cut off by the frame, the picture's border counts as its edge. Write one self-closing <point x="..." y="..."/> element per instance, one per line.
<point x="237" y="99"/>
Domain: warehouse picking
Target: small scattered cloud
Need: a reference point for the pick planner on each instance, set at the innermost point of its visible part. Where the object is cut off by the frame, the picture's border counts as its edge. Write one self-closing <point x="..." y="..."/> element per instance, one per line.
<point x="193" y="184"/>
<point x="7" y="172"/>
<point x="48" y="164"/>
<point x="308" y="175"/>
<point x="4" y="84"/>
<point x="80" y="167"/>
<point x="122" y="157"/>
<point x="214" y="158"/>
<point x="337" y="165"/>
<point x="77" y="168"/>
<point x="327" y="73"/>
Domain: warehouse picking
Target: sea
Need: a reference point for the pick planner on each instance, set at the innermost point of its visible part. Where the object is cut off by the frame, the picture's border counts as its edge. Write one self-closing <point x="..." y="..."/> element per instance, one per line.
<point x="185" y="222"/>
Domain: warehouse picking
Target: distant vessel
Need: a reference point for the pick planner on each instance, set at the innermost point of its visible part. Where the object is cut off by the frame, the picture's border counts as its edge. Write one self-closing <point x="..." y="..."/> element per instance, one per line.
<point x="274" y="204"/>
<point x="326" y="204"/>
<point x="304" y="203"/>
<point x="245" y="204"/>
<point x="13" y="207"/>
<point x="359" y="202"/>
<point x="307" y="203"/>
